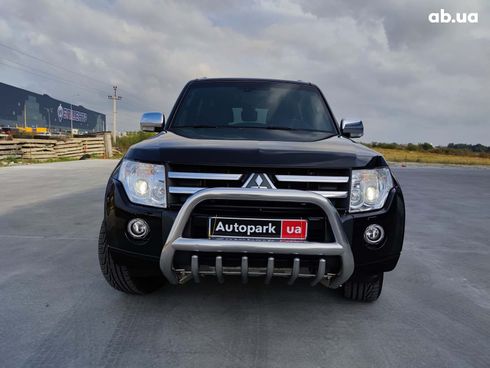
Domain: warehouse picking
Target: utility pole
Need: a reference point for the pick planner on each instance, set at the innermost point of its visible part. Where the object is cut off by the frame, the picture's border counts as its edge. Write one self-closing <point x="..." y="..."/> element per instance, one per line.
<point x="71" y="119"/>
<point x="114" y="99"/>
<point x="49" y="109"/>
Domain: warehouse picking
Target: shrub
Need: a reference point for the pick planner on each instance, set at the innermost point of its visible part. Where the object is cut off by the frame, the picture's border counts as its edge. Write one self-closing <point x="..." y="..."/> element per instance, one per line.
<point x="124" y="142"/>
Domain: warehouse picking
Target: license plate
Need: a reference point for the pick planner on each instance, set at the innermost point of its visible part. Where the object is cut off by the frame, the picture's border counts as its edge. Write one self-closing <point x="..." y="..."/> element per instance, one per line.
<point x="245" y="228"/>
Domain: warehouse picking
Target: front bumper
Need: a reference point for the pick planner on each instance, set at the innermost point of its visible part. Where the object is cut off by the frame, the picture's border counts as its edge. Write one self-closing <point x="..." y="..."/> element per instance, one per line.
<point x="146" y="254"/>
<point x="339" y="247"/>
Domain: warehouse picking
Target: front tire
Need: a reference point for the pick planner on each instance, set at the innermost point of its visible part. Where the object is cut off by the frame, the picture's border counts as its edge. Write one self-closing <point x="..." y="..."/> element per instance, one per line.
<point x="364" y="288"/>
<point x="120" y="276"/>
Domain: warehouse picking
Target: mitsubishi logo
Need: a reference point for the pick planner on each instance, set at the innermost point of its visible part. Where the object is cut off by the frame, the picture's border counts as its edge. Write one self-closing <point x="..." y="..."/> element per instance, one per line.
<point x="259" y="181"/>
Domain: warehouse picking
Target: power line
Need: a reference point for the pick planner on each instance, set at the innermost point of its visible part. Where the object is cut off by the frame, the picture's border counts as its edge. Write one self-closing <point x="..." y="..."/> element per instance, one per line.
<point x="47" y="75"/>
<point x="44" y="74"/>
<point x="50" y="63"/>
<point x="62" y="68"/>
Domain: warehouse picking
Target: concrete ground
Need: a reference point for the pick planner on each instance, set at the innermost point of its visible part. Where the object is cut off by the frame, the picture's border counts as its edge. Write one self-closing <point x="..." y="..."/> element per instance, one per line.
<point x="57" y="310"/>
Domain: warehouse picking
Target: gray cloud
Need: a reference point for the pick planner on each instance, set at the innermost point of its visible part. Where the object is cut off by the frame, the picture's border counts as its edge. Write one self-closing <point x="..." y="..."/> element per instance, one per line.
<point x="380" y="60"/>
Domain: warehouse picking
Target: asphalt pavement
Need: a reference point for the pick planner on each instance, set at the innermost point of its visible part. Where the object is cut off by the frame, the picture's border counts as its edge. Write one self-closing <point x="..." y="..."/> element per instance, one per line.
<point x="56" y="310"/>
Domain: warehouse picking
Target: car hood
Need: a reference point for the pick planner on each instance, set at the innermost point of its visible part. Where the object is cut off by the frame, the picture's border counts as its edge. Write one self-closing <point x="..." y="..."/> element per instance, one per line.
<point x="332" y="152"/>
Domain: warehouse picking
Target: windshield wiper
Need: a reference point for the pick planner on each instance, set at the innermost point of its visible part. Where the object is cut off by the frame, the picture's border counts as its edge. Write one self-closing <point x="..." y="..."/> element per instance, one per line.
<point x="199" y="126"/>
<point x="269" y="127"/>
<point x="272" y="127"/>
<point x="300" y="130"/>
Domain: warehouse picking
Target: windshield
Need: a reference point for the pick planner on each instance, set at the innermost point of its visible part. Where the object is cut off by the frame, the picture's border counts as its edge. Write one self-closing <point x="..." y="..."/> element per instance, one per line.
<point x="259" y="105"/>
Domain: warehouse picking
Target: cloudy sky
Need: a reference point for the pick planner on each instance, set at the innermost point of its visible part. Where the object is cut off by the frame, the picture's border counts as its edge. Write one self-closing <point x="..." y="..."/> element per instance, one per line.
<point x="382" y="61"/>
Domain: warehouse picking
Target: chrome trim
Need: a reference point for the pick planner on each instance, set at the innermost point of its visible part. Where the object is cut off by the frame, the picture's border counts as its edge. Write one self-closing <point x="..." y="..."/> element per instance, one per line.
<point x="193" y="190"/>
<point x="219" y="269"/>
<point x="270" y="270"/>
<point x="152" y="121"/>
<point x="253" y="272"/>
<point x="294" y="272"/>
<point x="340" y="247"/>
<point x="195" y="268"/>
<point x="331" y="193"/>
<point x="257" y="246"/>
<point x="312" y="179"/>
<point x="352" y="128"/>
<point x="203" y="176"/>
<point x="259" y="179"/>
<point x="244" y="269"/>
<point x="184" y="190"/>
<point x="320" y="273"/>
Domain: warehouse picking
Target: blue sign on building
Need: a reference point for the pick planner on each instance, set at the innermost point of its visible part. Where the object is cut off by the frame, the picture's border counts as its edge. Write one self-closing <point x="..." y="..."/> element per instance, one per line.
<point x="19" y="105"/>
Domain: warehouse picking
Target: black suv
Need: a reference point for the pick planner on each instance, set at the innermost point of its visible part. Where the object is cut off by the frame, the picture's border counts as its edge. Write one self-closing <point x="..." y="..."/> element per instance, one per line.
<point x="251" y="178"/>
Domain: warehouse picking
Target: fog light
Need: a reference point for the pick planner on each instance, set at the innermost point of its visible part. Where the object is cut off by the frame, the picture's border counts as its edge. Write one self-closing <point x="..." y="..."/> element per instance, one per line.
<point x="138" y="228"/>
<point x="374" y="234"/>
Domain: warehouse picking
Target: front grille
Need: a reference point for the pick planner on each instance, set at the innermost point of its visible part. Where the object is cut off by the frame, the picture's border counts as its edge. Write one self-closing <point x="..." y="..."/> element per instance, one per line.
<point x="185" y="180"/>
<point x="318" y="227"/>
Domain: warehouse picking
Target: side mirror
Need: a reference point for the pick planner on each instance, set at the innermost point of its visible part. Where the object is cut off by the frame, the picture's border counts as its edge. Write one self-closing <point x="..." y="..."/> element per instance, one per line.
<point x="351" y="128"/>
<point x="152" y="122"/>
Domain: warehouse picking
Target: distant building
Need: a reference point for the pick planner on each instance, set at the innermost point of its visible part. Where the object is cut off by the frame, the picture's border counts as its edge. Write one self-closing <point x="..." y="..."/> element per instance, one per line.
<point x="19" y="106"/>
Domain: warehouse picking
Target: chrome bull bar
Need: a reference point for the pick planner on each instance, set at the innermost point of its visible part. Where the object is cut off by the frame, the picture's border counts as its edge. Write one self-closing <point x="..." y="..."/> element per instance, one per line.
<point x="176" y="242"/>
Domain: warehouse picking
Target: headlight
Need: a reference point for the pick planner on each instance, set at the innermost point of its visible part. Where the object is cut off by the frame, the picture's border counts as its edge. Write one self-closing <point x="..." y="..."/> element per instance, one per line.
<point x="369" y="189"/>
<point x="144" y="183"/>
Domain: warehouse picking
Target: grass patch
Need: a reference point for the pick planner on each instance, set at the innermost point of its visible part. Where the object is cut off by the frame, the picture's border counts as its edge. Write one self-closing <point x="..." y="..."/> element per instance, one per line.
<point x="10" y="161"/>
<point x="399" y="155"/>
<point x="123" y="143"/>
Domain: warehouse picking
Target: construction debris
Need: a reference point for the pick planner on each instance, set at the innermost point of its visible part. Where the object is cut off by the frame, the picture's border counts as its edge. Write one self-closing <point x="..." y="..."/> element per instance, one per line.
<point x="48" y="149"/>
